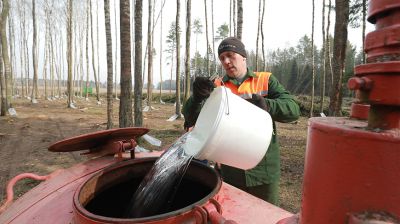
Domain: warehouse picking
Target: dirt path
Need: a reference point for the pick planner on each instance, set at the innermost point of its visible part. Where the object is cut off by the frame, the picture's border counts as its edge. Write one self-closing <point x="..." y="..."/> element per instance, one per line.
<point x="24" y="141"/>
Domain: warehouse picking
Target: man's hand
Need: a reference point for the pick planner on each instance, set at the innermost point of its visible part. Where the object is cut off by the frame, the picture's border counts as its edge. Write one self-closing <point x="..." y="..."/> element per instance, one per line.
<point x="202" y="87"/>
<point x="259" y="101"/>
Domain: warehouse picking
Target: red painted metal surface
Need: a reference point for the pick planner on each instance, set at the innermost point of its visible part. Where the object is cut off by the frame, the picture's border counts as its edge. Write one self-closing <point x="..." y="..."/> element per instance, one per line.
<point x="385" y="78"/>
<point x="377" y="8"/>
<point x="352" y="166"/>
<point x="51" y="201"/>
<point x="349" y="169"/>
<point x="100" y="143"/>
<point x="383" y="45"/>
<point x="359" y="111"/>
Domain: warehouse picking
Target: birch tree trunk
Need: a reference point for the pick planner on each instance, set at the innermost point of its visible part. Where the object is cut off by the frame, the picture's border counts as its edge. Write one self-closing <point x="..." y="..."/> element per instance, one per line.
<point x="150" y="55"/>
<point x="12" y="52"/>
<point x="178" y="60"/>
<point x="258" y="32"/>
<point x="3" y="99"/>
<point x="87" y="50"/>
<point x="239" y="19"/>
<point x="26" y="54"/>
<point x="323" y="50"/>
<point x="234" y="18"/>
<point x="69" y="53"/>
<point x="98" y="44"/>
<point x="138" y="63"/>
<point x="93" y="60"/>
<point x="109" y="65"/>
<point x="364" y="15"/>
<point x="161" y="50"/>
<point x="34" y="94"/>
<point x="21" y="48"/>
<point x="46" y="53"/>
<point x="116" y="49"/>
<point x="328" y="50"/>
<point x="208" y="43"/>
<point x="213" y="38"/>
<point x="187" y="56"/>
<point x="52" y="65"/>
<point x="262" y="37"/>
<point x="230" y="17"/>
<point x="125" y="105"/>
<point x="6" y="101"/>
<point x="339" y="55"/>
<point x="313" y="62"/>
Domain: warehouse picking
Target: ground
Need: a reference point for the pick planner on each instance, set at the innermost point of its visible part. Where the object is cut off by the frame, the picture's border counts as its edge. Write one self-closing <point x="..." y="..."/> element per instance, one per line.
<point x="24" y="140"/>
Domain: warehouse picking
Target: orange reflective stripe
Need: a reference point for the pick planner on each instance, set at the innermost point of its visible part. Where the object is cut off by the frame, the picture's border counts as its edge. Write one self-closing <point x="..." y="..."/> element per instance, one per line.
<point x="253" y="85"/>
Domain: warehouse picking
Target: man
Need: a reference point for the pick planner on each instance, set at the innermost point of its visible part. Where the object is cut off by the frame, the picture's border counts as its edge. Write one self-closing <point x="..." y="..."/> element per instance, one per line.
<point x="263" y="90"/>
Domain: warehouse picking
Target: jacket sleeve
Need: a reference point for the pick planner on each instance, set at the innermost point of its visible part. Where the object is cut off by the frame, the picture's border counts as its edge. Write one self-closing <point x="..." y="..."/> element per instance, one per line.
<point x="191" y="111"/>
<point x="281" y="105"/>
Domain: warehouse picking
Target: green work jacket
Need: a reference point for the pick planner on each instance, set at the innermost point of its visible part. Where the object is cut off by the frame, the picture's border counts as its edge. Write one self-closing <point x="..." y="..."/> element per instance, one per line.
<point x="282" y="108"/>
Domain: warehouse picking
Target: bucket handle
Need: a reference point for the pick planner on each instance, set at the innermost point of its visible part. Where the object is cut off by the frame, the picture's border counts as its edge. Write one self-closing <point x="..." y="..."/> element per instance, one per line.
<point x="216" y="76"/>
<point x="227" y="100"/>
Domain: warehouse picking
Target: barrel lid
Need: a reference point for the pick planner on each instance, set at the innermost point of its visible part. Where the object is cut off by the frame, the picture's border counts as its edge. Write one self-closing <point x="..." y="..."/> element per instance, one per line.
<point x="97" y="139"/>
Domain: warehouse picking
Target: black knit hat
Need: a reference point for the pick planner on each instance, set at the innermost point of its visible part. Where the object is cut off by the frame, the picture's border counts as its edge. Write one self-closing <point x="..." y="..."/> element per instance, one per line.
<point x="232" y="44"/>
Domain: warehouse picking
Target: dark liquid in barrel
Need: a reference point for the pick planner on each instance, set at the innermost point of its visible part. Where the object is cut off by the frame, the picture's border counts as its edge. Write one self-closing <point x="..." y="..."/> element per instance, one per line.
<point x="157" y="190"/>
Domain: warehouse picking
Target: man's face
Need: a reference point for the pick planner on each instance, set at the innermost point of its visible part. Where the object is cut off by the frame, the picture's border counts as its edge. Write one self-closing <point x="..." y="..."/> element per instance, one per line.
<point x="234" y="64"/>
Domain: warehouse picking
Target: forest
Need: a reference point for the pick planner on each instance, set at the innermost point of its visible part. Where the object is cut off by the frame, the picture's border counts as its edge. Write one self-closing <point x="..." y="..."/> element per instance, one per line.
<point x="51" y="49"/>
<point x="71" y="67"/>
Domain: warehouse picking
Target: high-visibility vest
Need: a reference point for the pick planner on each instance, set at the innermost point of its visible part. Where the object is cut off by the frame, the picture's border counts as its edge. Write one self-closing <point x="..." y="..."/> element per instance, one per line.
<point x="252" y="85"/>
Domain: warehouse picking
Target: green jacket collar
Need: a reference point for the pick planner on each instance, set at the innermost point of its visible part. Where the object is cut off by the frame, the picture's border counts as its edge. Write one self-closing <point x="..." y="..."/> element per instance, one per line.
<point x="249" y="74"/>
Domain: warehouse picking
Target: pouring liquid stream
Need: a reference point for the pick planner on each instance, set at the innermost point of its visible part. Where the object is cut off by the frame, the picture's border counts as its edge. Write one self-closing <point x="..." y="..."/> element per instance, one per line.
<point x="158" y="189"/>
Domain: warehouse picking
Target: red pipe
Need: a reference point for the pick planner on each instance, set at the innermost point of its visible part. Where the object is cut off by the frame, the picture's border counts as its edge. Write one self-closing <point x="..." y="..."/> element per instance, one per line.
<point x="13" y="181"/>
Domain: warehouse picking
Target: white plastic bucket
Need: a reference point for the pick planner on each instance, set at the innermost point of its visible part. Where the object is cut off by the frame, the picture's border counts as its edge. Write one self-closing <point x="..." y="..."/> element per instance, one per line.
<point x="231" y="131"/>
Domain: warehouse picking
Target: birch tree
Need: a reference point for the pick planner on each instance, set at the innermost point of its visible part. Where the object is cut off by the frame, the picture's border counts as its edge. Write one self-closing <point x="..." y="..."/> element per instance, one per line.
<point x="198" y="29"/>
<point x="161" y="50"/>
<point x="258" y="32"/>
<point x="93" y="60"/>
<point x="312" y="61"/>
<point x="187" y="56"/>
<point x="138" y="62"/>
<point x="69" y="54"/>
<point x="207" y="41"/>
<point x="149" y="55"/>
<point x="34" y="94"/>
<point x="323" y="74"/>
<point x="116" y="50"/>
<point x="262" y="37"/>
<point x="6" y="99"/>
<point x="178" y="60"/>
<point x="107" y="24"/>
<point x="339" y="55"/>
<point x="239" y="19"/>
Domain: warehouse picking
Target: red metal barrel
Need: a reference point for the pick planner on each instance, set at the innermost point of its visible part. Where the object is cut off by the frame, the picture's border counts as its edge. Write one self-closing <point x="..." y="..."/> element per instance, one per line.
<point x="104" y="197"/>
